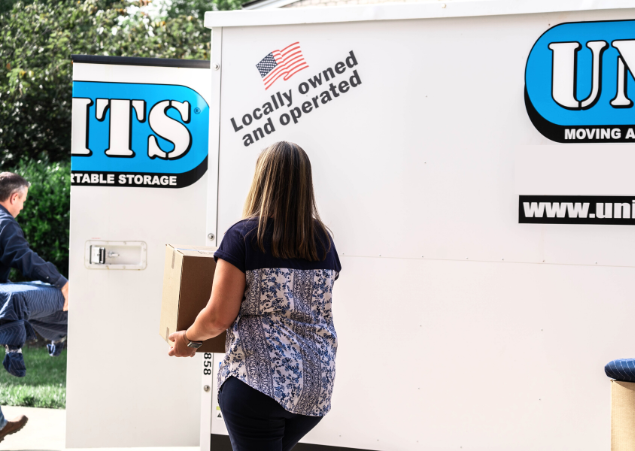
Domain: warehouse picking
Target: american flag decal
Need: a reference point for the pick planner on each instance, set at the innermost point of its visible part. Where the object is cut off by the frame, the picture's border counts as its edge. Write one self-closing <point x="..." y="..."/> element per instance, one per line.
<point x="286" y="62"/>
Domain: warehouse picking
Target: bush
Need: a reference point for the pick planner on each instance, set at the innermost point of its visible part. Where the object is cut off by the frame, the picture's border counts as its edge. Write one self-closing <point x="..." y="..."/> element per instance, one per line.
<point x="46" y="214"/>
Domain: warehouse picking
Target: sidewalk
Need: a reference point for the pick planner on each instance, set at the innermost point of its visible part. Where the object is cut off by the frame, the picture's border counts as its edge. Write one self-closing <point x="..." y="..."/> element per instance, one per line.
<point x="46" y="431"/>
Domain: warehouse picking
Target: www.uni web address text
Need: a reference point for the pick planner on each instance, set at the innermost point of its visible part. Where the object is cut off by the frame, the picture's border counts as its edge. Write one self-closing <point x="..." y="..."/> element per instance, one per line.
<point x="614" y="210"/>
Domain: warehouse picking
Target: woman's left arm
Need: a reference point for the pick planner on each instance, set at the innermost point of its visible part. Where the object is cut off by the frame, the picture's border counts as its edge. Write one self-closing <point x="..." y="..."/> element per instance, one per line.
<point x="222" y="309"/>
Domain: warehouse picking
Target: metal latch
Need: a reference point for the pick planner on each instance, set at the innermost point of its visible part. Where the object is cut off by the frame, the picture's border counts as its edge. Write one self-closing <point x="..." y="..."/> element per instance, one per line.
<point x="97" y="255"/>
<point x="109" y="255"/>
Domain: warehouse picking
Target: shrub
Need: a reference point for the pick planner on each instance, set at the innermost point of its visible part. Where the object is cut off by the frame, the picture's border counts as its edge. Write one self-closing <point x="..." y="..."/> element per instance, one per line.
<point x="46" y="214"/>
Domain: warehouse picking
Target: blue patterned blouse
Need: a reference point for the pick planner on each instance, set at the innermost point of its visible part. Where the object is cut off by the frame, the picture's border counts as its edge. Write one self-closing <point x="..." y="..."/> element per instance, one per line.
<point x="283" y="342"/>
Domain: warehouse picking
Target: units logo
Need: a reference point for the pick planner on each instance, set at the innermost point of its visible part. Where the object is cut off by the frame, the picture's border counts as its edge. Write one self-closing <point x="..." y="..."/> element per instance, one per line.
<point x="578" y="79"/>
<point x="144" y="135"/>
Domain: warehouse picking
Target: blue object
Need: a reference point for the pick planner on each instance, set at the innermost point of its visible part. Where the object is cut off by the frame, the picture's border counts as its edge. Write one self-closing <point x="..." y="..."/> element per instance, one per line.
<point x="539" y="74"/>
<point x="621" y="370"/>
<point x="15" y="333"/>
<point x="3" y="421"/>
<point x="143" y="160"/>
<point x="55" y="348"/>
<point x="25" y="308"/>
<point x="14" y="362"/>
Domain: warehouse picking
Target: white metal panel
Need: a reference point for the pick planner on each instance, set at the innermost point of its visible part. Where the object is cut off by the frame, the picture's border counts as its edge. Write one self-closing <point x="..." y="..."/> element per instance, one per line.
<point x="214" y="138"/>
<point x="405" y="156"/>
<point x="458" y="326"/>
<point x="578" y="169"/>
<point x="123" y="389"/>
<point x="476" y="355"/>
<point x="207" y="395"/>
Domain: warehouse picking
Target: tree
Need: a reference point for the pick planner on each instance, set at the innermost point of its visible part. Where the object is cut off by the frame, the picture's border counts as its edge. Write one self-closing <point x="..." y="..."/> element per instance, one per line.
<point x="197" y="8"/>
<point x="37" y="39"/>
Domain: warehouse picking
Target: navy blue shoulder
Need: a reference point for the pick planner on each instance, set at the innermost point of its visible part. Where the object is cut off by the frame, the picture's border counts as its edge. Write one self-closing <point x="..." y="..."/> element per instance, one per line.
<point x="239" y="247"/>
<point x="232" y="246"/>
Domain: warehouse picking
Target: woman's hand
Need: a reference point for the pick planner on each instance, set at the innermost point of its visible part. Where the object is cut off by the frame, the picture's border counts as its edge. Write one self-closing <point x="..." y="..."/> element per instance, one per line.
<point x="222" y="309"/>
<point x="180" y="348"/>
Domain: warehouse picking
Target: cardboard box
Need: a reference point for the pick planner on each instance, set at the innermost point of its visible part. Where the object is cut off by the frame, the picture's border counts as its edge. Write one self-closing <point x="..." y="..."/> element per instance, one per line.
<point x="187" y="286"/>
<point x="622" y="416"/>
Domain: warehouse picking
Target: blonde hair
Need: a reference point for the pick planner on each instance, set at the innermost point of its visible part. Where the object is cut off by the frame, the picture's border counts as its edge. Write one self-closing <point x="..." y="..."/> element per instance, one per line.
<point x="282" y="189"/>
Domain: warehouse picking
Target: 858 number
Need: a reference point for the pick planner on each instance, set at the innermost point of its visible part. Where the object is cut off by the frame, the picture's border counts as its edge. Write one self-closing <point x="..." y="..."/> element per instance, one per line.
<point x="207" y="363"/>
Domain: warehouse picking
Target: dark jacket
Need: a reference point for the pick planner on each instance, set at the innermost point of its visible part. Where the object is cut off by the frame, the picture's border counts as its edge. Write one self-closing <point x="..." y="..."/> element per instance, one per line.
<point x="16" y="253"/>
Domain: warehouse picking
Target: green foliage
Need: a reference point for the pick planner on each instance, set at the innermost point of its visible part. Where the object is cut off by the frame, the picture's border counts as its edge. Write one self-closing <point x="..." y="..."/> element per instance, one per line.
<point x="37" y="39"/>
<point x="44" y="384"/>
<point x="197" y="8"/>
<point x="46" y="214"/>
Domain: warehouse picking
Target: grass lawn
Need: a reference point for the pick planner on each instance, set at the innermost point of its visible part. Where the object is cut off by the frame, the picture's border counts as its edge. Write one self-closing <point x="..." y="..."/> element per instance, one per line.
<point x="44" y="384"/>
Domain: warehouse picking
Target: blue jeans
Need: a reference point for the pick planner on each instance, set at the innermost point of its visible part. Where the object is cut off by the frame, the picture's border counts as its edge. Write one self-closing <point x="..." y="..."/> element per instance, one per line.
<point x="257" y="422"/>
<point x="3" y="422"/>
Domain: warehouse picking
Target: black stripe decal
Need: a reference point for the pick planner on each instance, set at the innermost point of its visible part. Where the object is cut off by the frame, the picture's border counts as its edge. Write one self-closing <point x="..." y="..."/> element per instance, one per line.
<point x="138" y="179"/>
<point x="136" y="61"/>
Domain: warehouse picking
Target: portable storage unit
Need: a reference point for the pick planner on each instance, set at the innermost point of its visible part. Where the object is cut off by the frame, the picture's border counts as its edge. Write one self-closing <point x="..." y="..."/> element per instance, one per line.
<point x="139" y="181"/>
<point x="474" y="163"/>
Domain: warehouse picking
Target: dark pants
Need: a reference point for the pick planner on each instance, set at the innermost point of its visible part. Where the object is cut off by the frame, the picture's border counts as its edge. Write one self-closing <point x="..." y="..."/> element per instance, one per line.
<point x="256" y="422"/>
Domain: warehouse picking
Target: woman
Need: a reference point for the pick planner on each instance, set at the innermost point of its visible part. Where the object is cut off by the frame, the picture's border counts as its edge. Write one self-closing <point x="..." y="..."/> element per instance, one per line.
<point x="272" y="291"/>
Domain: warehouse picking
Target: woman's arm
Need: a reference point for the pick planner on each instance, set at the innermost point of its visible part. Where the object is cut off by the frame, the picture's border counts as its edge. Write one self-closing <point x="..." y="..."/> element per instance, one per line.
<point x="222" y="309"/>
